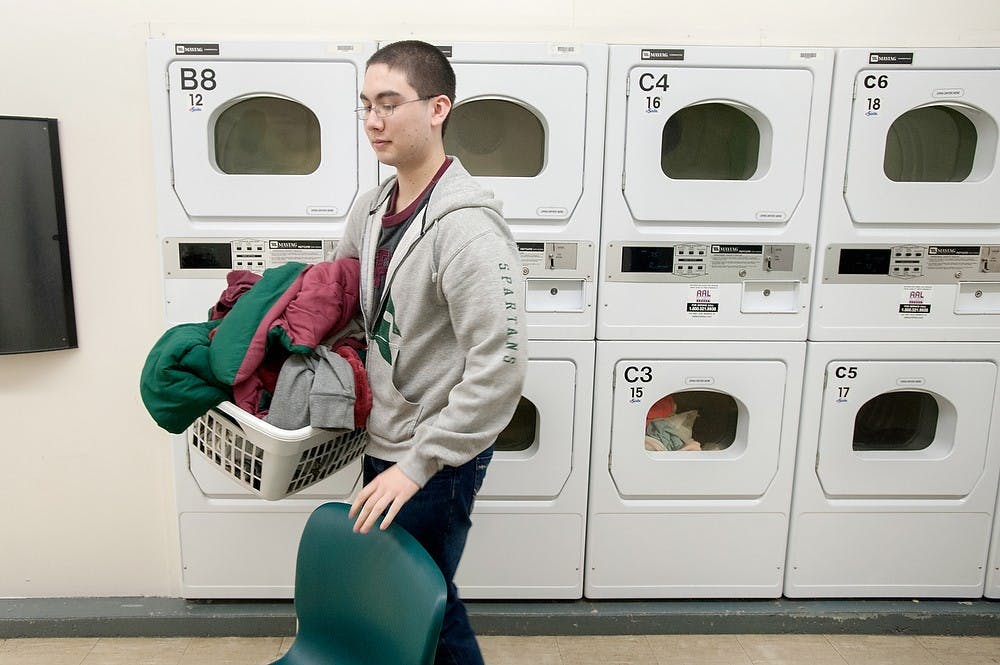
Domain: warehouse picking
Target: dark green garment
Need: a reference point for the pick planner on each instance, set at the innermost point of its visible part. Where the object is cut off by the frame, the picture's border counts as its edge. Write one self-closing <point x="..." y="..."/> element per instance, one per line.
<point x="177" y="384"/>
<point x="187" y="372"/>
<point x="250" y="328"/>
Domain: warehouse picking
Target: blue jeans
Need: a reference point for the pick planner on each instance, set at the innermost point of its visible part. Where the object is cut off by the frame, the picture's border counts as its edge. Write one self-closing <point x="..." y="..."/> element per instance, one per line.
<point x="438" y="516"/>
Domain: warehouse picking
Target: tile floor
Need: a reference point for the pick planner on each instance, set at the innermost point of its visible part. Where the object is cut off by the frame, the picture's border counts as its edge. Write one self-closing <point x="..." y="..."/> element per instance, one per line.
<point x="587" y="650"/>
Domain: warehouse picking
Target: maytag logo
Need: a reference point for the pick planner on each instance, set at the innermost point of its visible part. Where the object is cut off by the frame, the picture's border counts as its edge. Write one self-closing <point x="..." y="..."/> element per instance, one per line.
<point x="662" y="53"/>
<point x="295" y="244"/>
<point x="196" y="49"/>
<point x="890" y="58"/>
<point x="737" y="249"/>
<point x="954" y="250"/>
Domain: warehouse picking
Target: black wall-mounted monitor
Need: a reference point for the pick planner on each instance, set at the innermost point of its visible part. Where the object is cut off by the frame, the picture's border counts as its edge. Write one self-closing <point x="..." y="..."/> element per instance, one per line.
<point x="36" y="290"/>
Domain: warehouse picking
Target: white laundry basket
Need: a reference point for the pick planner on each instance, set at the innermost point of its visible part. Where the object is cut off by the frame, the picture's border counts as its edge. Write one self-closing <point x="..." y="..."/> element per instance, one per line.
<point x="267" y="460"/>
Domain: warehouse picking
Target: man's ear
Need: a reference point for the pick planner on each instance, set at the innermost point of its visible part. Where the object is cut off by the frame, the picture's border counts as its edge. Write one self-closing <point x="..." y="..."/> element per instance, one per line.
<point x="440" y="109"/>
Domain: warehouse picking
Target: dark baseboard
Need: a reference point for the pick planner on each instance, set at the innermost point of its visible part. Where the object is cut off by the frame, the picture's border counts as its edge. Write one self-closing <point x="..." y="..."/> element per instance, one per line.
<point x="173" y="617"/>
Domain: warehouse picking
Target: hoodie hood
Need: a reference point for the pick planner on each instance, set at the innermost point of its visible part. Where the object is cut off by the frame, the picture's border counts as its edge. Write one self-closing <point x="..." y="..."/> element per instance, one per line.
<point x="455" y="190"/>
<point x="455" y="194"/>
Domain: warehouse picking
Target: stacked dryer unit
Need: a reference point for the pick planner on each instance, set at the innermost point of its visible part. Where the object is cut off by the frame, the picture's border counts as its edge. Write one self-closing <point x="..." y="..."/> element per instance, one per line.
<point x="897" y="468"/>
<point x="712" y="186"/>
<point x="528" y="123"/>
<point x="259" y="157"/>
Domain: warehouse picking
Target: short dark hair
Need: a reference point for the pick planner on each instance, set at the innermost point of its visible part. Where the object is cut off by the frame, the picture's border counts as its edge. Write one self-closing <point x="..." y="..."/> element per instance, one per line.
<point x="424" y="65"/>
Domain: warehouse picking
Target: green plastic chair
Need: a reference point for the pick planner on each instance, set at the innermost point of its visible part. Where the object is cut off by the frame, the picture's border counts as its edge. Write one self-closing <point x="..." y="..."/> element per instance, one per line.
<point x="371" y="599"/>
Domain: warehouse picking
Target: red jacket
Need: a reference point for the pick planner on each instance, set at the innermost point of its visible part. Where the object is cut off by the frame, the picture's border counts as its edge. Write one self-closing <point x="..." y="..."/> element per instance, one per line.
<point x="266" y="324"/>
<point x="291" y="309"/>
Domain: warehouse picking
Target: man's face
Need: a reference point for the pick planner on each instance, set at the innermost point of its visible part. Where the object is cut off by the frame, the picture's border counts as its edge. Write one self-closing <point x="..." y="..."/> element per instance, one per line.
<point x="405" y="137"/>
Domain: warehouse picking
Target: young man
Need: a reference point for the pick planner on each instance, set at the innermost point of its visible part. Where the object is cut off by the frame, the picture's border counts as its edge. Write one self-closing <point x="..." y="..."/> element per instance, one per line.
<point x="441" y="294"/>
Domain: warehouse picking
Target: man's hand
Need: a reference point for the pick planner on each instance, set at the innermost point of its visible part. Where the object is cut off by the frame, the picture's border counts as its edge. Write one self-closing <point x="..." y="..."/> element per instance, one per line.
<point x="387" y="492"/>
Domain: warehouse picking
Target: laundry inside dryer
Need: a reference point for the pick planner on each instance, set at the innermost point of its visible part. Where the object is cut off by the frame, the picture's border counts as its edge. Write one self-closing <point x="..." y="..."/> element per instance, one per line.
<point x="692" y="420"/>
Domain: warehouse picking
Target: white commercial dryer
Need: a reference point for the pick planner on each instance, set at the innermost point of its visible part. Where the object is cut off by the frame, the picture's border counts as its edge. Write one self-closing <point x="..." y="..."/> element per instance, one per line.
<point x="909" y="240"/>
<point x="529" y="521"/>
<point x="714" y="159"/>
<point x="692" y="460"/>
<point x="258" y="160"/>
<point x="896" y="454"/>
<point x="897" y="469"/>
<point x="528" y="122"/>
<point x="992" y="589"/>
<point x="712" y="186"/>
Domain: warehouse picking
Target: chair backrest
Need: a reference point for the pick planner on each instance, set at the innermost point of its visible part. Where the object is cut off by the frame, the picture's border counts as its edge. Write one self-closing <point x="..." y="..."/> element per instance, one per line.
<point x="377" y="595"/>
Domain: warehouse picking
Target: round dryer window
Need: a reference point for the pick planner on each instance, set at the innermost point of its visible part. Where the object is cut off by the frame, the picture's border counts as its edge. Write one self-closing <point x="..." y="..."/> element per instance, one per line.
<point x="930" y="144"/>
<point x="896" y="421"/>
<point x="710" y="141"/>
<point x="521" y="431"/>
<point x="692" y="420"/>
<point x="495" y="137"/>
<point x="267" y="135"/>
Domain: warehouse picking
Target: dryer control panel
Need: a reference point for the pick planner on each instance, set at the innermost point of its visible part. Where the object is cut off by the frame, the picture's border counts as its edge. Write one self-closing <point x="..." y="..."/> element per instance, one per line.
<point x="570" y="260"/>
<point x="195" y="269"/>
<point x="212" y="258"/>
<point x="557" y="275"/>
<point x="725" y="263"/>
<point x="892" y="264"/>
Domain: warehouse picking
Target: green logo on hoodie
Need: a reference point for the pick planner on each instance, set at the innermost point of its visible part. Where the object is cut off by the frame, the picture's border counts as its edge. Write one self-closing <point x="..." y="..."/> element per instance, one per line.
<point x="386" y="327"/>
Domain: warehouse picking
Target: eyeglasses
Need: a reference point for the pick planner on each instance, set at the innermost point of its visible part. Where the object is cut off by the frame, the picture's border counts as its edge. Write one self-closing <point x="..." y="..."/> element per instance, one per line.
<point x="384" y="110"/>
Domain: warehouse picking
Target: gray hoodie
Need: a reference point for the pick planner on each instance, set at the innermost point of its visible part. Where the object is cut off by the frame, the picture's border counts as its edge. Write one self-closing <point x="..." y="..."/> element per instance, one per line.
<point x="447" y="346"/>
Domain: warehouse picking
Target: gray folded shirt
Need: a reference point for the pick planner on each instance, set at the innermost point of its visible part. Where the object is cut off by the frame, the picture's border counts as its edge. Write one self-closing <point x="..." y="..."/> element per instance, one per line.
<point x="315" y="389"/>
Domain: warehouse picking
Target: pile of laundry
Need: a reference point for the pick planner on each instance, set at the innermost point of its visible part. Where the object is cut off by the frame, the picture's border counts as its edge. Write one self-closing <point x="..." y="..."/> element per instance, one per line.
<point x="667" y="430"/>
<point x="282" y="346"/>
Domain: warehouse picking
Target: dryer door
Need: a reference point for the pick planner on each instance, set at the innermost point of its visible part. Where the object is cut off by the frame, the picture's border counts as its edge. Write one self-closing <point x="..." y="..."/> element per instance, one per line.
<point x="533" y="455"/>
<point x="716" y="145"/>
<point x="696" y="428"/>
<point x="264" y="139"/>
<point x="923" y="147"/>
<point x="520" y="129"/>
<point x="904" y="429"/>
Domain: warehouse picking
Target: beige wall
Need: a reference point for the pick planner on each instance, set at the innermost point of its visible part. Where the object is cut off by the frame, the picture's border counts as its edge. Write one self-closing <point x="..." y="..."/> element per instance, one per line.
<point x="86" y="493"/>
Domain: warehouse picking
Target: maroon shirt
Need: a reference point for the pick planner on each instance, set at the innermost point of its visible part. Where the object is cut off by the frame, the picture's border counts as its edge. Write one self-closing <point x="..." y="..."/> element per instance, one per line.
<point x="394" y="225"/>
